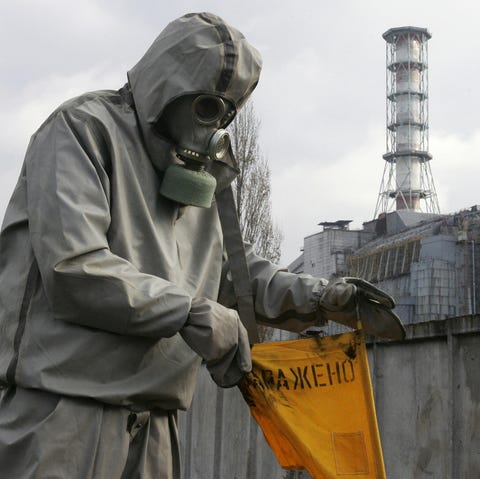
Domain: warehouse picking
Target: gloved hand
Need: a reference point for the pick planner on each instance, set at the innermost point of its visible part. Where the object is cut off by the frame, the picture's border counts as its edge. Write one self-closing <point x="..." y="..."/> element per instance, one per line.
<point x="347" y="299"/>
<point x="218" y="336"/>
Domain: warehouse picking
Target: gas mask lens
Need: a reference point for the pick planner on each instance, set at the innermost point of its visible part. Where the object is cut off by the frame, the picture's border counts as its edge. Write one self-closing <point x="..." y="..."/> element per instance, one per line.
<point x="208" y="109"/>
<point x="218" y="145"/>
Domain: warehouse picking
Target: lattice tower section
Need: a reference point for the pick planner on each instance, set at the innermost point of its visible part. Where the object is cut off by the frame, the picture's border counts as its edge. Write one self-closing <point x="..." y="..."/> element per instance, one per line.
<point x="407" y="182"/>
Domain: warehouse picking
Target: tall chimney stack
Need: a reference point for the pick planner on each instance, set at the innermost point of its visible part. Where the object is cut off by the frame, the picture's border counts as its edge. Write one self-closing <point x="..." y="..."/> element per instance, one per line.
<point x="407" y="177"/>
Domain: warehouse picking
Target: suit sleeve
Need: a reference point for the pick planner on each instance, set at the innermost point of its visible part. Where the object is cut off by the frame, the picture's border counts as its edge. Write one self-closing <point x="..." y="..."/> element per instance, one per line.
<point x="69" y="217"/>
<point x="283" y="300"/>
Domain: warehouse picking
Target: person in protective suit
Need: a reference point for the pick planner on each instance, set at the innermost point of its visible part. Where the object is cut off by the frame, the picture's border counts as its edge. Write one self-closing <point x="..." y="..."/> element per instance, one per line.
<point x="114" y="282"/>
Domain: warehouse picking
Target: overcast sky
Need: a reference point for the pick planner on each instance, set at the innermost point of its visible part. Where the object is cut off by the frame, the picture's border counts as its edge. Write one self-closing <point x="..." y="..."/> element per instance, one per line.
<point x="321" y="96"/>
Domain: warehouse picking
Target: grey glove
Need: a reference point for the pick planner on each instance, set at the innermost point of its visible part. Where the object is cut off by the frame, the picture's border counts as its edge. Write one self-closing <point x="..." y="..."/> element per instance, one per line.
<point x="217" y="335"/>
<point x="347" y="299"/>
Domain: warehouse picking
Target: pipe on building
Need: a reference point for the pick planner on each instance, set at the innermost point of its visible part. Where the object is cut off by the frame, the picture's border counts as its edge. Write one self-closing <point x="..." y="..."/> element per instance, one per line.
<point x="474" y="296"/>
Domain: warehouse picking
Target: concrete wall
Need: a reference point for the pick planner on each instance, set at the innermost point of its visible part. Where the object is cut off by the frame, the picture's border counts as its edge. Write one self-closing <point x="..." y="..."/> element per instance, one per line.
<point x="220" y="440"/>
<point x="427" y="393"/>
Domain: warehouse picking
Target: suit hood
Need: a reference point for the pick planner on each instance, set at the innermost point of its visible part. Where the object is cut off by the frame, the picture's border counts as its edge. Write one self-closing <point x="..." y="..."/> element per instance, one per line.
<point x="197" y="53"/>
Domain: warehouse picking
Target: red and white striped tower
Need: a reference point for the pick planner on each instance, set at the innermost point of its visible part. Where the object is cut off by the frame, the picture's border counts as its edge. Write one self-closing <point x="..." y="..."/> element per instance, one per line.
<point x="407" y="181"/>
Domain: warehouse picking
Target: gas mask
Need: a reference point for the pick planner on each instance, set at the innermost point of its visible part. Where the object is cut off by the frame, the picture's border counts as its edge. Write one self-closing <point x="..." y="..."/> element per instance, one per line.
<point x="194" y="123"/>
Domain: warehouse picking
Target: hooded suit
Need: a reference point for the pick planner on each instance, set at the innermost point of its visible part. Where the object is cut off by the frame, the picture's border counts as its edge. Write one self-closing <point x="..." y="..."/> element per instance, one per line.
<point x="98" y="271"/>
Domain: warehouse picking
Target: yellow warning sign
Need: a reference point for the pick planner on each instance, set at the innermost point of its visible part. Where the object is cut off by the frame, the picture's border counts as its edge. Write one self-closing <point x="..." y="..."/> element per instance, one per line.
<point x="313" y="400"/>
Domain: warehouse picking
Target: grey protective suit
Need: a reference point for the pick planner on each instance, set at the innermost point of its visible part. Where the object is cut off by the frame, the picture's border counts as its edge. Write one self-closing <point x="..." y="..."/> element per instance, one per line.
<point x="97" y="272"/>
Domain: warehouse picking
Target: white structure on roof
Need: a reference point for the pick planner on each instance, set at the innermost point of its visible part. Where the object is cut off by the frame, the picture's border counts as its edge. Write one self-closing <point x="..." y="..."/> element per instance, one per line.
<point x="407" y="177"/>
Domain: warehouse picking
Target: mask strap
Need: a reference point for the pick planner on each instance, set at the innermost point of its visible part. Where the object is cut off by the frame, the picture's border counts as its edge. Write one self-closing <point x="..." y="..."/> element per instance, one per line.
<point x="238" y="262"/>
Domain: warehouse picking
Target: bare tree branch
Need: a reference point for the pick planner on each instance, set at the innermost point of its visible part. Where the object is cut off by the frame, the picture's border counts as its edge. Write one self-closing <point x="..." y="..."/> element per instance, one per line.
<point x="252" y="192"/>
<point x="252" y="187"/>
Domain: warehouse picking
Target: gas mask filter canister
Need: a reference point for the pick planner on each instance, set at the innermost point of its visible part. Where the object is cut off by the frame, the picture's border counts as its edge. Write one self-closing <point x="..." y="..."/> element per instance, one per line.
<point x="193" y="123"/>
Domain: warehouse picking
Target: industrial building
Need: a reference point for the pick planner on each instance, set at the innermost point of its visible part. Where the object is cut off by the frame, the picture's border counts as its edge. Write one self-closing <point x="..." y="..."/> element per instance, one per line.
<point x="429" y="263"/>
<point x="427" y="387"/>
<point x="426" y="260"/>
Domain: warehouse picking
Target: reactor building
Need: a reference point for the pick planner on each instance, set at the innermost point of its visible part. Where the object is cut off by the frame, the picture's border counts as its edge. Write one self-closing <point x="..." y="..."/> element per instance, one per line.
<point x="428" y="261"/>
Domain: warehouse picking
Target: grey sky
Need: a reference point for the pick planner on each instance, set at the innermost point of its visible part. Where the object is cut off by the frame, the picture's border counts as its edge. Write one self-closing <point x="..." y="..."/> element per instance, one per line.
<point x="321" y="97"/>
